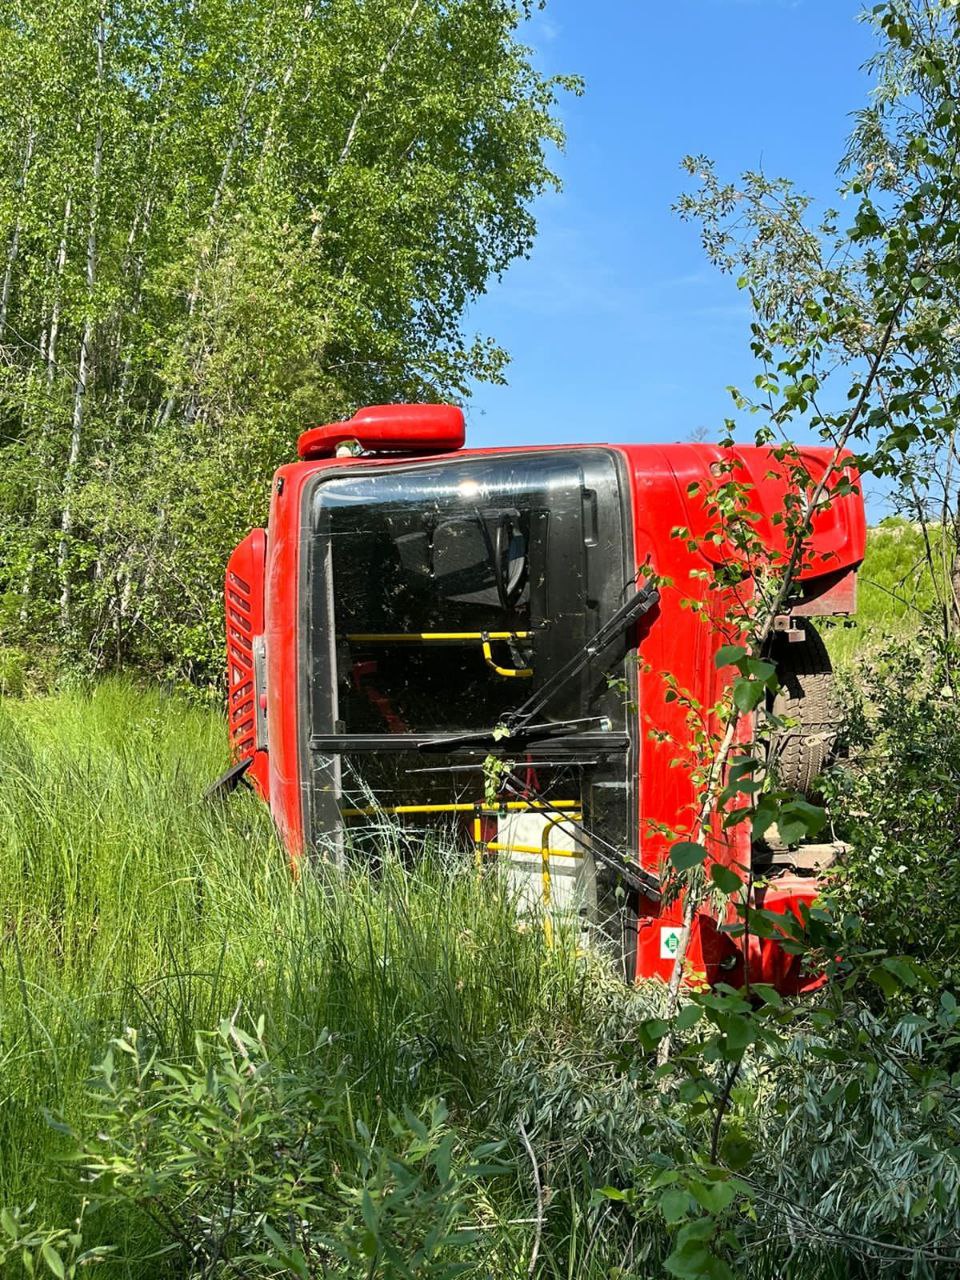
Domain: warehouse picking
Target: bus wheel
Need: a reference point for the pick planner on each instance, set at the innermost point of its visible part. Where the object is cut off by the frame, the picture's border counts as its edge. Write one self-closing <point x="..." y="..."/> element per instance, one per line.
<point x="801" y="752"/>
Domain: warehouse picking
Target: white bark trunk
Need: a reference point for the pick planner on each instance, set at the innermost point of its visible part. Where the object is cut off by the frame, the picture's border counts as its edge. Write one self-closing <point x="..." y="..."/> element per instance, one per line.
<point x="284" y="85"/>
<point x="13" y="252"/>
<point x="134" y="261"/>
<point x="55" y="308"/>
<point x="48" y="358"/>
<point x="193" y="296"/>
<point x="365" y="102"/>
<point x="85" y="356"/>
<point x="133" y="310"/>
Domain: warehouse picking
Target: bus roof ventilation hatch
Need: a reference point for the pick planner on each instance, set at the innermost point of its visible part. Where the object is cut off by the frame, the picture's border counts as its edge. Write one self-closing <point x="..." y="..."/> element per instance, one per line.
<point x="389" y="428"/>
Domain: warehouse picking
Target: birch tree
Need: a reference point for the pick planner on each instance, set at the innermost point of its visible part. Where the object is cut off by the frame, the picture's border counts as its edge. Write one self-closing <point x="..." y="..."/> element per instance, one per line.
<point x="221" y="221"/>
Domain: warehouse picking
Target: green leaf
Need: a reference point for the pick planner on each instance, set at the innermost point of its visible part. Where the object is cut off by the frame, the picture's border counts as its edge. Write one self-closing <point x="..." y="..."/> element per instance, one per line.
<point x="613" y="1193"/>
<point x="726" y="880"/>
<point x="687" y="854"/>
<point x="691" y="1262"/>
<point x="743" y="768"/>
<point x="799" y="818"/>
<point x="692" y="1259"/>
<point x="688" y="1017"/>
<point x="736" y="1151"/>
<point x="748" y="694"/>
<point x="713" y="1196"/>
<point x="791" y="833"/>
<point x="697" y="1232"/>
<point x="760" y="670"/>
<point x="885" y="980"/>
<point x="652" y="1031"/>
<point x="729" y="655"/>
<point x="902" y="969"/>
<point x="53" y="1260"/>
<point x="369" y="1213"/>
<point x="674" y="1205"/>
<point x="739" y="1033"/>
<point x="813" y="815"/>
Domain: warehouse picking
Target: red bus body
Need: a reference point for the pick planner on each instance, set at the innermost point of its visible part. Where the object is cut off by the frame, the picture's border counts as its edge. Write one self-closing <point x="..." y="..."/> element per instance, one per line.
<point x="267" y="627"/>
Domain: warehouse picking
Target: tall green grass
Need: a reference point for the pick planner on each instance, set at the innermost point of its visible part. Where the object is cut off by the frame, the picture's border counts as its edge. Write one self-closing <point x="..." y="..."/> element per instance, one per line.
<point x="129" y="901"/>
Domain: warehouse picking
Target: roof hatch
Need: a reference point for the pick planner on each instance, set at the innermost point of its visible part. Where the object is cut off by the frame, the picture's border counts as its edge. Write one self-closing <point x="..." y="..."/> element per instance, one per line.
<point x="389" y="428"/>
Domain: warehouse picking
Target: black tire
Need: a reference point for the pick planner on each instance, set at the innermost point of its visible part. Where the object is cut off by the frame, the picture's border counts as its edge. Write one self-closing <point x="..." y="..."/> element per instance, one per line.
<point x="801" y="753"/>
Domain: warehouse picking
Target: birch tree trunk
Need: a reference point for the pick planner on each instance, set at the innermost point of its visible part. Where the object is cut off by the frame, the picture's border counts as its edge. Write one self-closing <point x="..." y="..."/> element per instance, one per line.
<point x="61" y="263"/>
<point x="48" y="357"/>
<point x="364" y="103"/>
<point x="133" y="310"/>
<point x="134" y="259"/>
<point x="285" y="79"/>
<point x="156" y="271"/>
<point x="193" y="297"/>
<point x="85" y="356"/>
<point x="13" y="251"/>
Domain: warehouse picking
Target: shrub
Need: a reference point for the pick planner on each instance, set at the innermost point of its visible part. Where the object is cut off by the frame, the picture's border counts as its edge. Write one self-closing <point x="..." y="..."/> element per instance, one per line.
<point x="897" y="802"/>
<point x="14" y="665"/>
<point x="251" y="1170"/>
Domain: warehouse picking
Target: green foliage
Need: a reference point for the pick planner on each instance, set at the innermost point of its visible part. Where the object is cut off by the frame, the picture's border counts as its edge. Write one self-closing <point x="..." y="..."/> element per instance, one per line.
<point x="219" y="223"/>
<point x="252" y="1170"/>
<point x="129" y="904"/>
<point x="853" y="334"/>
<point x="897" y="797"/>
<point x="14" y="666"/>
<point x="268" y="214"/>
<point x="59" y="1253"/>
<point x="820" y="1136"/>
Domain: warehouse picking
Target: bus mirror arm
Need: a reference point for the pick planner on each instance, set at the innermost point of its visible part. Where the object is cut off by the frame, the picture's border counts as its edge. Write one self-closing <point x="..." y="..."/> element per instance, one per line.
<point x="640" y="603"/>
<point x="516" y="727"/>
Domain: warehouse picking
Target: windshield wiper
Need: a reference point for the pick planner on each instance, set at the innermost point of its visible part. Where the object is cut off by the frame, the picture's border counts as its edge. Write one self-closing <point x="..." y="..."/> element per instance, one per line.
<point x="639" y="604"/>
<point x="516" y="727"/>
<point x="514" y="737"/>
<point x="558" y="762"/>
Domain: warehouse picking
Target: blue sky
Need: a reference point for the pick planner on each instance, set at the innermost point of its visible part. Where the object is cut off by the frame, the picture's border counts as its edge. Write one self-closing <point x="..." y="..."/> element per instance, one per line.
<point x="618" y="327"/>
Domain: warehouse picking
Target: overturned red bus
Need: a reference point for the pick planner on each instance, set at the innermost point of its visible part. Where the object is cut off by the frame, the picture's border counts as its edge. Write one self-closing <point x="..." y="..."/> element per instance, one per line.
<point x="410" y="598"/>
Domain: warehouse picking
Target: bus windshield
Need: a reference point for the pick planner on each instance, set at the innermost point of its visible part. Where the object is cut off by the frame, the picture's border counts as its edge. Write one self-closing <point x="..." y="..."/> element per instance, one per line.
<point x="444" y="594"/>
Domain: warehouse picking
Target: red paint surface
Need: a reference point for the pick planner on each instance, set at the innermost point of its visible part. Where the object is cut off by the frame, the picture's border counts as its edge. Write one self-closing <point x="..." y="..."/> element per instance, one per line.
<point x="683" y="643"/>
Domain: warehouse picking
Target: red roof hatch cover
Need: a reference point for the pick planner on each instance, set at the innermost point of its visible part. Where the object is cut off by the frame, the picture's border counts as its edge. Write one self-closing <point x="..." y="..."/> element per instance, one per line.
<point x="390" y="428"/>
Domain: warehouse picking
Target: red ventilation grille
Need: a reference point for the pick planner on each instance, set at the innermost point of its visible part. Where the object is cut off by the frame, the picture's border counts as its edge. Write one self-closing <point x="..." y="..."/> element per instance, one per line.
<point x="244" y="618"/>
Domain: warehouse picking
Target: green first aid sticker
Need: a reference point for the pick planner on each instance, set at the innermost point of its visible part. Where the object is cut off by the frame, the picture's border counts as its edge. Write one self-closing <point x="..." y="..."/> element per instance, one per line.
<point x="669" y="941"/>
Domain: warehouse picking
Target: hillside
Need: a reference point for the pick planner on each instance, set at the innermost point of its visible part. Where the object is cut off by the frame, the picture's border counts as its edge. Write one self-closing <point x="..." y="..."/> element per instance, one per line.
<point x="895" y="589"/>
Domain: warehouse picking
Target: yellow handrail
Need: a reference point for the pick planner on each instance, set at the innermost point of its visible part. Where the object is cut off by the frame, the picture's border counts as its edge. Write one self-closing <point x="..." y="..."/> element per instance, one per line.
<point x="434" y="637"/>
<point x="523" y="673"/>
<point x="522" y="806"/>
<point x="494" y="847"/>
<point x="451" y="637"/>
